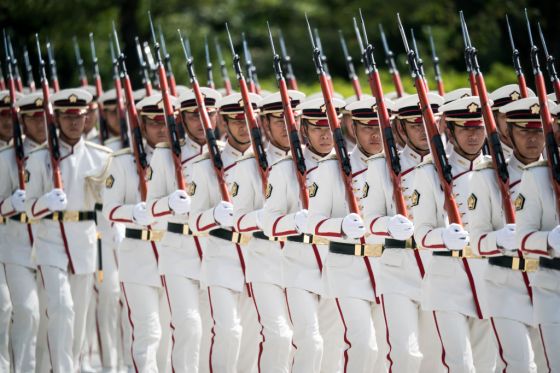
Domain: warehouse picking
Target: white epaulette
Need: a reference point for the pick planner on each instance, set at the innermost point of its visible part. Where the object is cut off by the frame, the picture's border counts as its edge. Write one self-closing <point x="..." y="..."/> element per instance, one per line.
<point x="245" y="157"/>
<point x="329" y="158"/>
<point x="40" y="147"/>
<point x="203" y="157"/>
<point x="286" y="158"/>
<point x="122" y="152"/>
<point x="111" y="140"/>
<point x="427" y="161"/>
<point x="541" y="163"/>
<point x="7" y="147"/>
<point x="484" y="164"/>
<point x="98" y="147"/>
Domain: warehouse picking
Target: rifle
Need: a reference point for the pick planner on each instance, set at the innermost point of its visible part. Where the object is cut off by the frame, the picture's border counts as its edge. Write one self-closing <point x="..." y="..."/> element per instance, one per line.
<point x="213" y="149"/>
<point x="323" y="57"/>
<point x="223" y="68"/>
<point x="137" y="144"/>
<point x="52" y="64"/>
<point x="494" y="144"/>
<point x="389" y="144"/>
<point x="550" y="68"/>
<point x="168" y="67"/>
<point x="125" y="141"/>
<point x="15" y="68"/>
<point x="210" y="77"/>
<point x="472" y="79"/>
<point x="390" y="61"/>
<point x="146" y="82"/>
<point x="103" y="130"/>
<point x="435" y="59"/>
<point x="174" y="142"/>
<point x="251" y="69"/>
<point x="52" y="141"/>
<point x="250" y="117"/>
<point x="80" y="62"/>
<point x="517" y="63"/>
<point x="286" y="59"/>
<point x="151" y="63"/>
<point x="2" y="80"/>
<point x="350" y="67"/>
<point x="29" y="70"/>
<point x="553" y="156"/>
<point x="419" y="59"/>
<point x="438" y="150"/>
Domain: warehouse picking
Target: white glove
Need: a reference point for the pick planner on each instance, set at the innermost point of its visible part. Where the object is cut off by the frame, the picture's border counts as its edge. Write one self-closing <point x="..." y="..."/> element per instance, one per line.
<point x="18" y="200"/>
<point x="223" y="214"/>
<point x="400" y="228"/>
<point x="353" y="226"/>
<point x="140" y="214"/>
<point x="455" y="237"/>
<point x="300" y="219"/>
<point x="258" y="218"/>
<point x="505" y="237"/>
<point x="56" y="200"/>
<point x="179" y="202"/>
<point x="118" y="233"/>
<point x="554" y="241"/>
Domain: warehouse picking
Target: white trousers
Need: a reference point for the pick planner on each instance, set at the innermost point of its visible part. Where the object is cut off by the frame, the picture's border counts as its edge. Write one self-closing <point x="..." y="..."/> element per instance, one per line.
<point x="275" y="340"/>
<point x="466" y="342"/>
<point x="186" y="325"/>
<point x="5" y="320"/>
<point x="513" y="342"/>
<point x="68" y="298"/>
<point x="148" y="316"/>
<point x="22" y="283"/>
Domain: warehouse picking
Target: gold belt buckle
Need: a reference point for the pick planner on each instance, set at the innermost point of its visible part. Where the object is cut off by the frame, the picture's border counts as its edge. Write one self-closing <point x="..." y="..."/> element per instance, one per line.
<point x="186" y="230"/>
<point x="320" y="240"/>
<point x="240" y="239"/>
<point x="2" y="220"/>
<point x="515" y="264"/>
<point x="57" y="215"/>
<point x="467" y="252"/>
<point x="531" y="265"/>
<point x="71" y="216"/>
<point x="148" y="235"/>
<point x="368" y="250"/>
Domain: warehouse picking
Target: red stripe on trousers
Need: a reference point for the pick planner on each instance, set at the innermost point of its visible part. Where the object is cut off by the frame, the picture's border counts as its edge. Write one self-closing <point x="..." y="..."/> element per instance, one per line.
<point x="129" y="313"/>
<point x="500" y="348"/>
<point x="346" y="340"/>
<point x="441" y="341"/>
<point x="387" y="334"/>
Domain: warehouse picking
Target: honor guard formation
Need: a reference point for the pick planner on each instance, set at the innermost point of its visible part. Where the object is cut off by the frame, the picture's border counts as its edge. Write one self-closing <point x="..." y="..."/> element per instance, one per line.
<point x="196" y="229"/>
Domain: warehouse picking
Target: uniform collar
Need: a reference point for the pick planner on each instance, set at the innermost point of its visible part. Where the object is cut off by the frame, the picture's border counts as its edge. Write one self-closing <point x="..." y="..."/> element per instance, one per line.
<point x="457" y="159"/>
<point x="193" y="145"/>
<point x="236" y="153"/>
<point x="275" y="153"/>
<point x="309" y="154"/>
<point x="30" y="144"/>
<point x="71" y="148"/>
<point x="360" y="155"/>
<point x="408" y="152"/>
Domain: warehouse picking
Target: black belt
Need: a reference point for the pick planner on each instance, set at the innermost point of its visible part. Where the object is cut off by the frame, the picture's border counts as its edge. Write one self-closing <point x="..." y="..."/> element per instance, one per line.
<point x="391" y="243"/>
<point x="550" y="263"/>
<point x="98" y="207"/>
<point x="20" y="217"/>
<point x="355" y="249"/>
<point x="71" y="216"/>
<point x="309" y="239"/>
<point x="465" y="253"/>
<point x="261" y="236"/>
<point x="143" y="234"/>
<point x="231" y="236"/>
<point x="518" y="264"/>
<point x="179" y="229"/>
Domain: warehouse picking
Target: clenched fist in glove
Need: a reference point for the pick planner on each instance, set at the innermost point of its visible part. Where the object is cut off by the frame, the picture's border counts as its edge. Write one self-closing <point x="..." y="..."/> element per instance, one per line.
<point x="223" y="214"/>
<point x="400" y="228"/>
<point x="300" y="219"/>
<point x="18" y="200"/>
<point x="140" y="214"/>
<point x="505" y="237"/>
<point x="179" y="202"/>
<point x="353" y="226"/>
<point x="56" y="200"/>
<point x="455" y="237"/>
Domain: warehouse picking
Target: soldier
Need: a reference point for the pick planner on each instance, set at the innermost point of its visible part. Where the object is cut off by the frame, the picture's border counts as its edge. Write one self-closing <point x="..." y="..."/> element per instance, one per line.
<point x="409" y="329"/>
<point x="6" y="133"/>
<point x="507" y="288"/>
<point x="180" y="251"/>
<point x="18" y="261"/>
<point x="65" y="240"/>
<point x="91" y="132"/>
<point x="264" y="253"/>
<point x="223" y="263"/>
<point x="538" y="236"/>
<point x="109" y="101"/>
<point x="138" y="253"/>
<point x="452" y="287"/>
<point x="500" y="97"/>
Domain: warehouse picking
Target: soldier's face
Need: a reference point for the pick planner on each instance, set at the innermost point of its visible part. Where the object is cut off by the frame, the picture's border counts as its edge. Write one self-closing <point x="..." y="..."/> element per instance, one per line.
<point x="71" y="125"/>
<point x="195" y="129"/>
<point x="502" y="127"/>
<point x="416" y="135"/>
<point x="155" y="131"/>
<point x="320" y="138"/>
<point x="6" y="127"/>
<point x="346" y="124"/>
<point x="369" y="138"/>
<point x="112" y="119"/>
<point x="470" y="139"/>
<point x="528" y="143"/>
<point x="277" y="131"/>
<point x="91" y="120"/>
<point x="34" y="127"/>
<point x="239" y="130"/>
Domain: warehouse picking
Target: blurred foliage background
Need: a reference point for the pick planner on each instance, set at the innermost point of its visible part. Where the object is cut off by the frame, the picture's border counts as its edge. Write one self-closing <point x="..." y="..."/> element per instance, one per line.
<point x="59" y="20"/>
